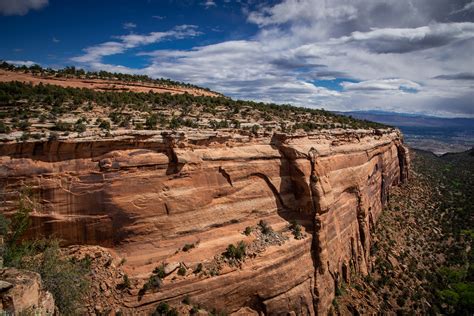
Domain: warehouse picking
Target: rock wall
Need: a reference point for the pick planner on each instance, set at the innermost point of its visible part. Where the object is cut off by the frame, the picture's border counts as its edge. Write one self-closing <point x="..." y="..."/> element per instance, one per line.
<point x="146" y="197"/>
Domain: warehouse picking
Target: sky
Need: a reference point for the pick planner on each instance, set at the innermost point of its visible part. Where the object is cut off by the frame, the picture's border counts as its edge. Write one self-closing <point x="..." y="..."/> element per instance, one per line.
<point x="411" y="56"/>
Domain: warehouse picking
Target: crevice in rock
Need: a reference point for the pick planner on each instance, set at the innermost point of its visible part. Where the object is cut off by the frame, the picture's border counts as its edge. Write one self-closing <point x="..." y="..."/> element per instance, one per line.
<point x="174" y="166"/>
<point x="402" y="154"/>
<point x="225" y="175"/>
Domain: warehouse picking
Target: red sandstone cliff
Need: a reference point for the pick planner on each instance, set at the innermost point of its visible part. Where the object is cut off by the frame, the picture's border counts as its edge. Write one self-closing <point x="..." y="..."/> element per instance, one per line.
<point x="146" y="197"/>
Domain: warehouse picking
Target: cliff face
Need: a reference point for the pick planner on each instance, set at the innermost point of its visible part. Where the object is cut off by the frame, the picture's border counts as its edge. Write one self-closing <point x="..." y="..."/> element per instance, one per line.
<point x="146" y="197"/>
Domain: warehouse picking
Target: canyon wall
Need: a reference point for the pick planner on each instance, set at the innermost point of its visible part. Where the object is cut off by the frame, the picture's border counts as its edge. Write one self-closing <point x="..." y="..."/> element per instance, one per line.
<point x="145" y="196"/>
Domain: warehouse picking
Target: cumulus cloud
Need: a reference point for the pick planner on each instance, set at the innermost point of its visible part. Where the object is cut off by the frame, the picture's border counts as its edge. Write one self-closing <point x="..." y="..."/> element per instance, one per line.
<point x="403" y="40"/>
<point x="390" y="55"/>
<point x="20" y="7"/>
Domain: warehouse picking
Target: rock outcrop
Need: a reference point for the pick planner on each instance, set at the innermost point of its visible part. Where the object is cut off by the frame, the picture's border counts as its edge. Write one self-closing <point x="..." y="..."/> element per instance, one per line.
<point x="146" y="197"/>
<point x="21" y="292"/>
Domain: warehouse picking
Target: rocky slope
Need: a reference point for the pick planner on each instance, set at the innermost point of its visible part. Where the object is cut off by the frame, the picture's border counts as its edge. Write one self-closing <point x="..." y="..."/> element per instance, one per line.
<point x="177" y="200"/>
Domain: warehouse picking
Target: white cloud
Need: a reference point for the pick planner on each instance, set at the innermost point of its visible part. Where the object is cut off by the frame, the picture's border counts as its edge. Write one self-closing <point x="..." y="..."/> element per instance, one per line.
<point x="129" y="25"/>
<point x="398" y="55"/>
<point x="401" y="40"/>
<point x="382" y="85"/>
<point x="158" y="17"/>
<point x="55" y="40"/>
<point x="20" y="7"/>
<point x="209" y="3"/>
<point x="26" y="63"/>
<point x="94" y="54"/>
<point x="468" y="7"/>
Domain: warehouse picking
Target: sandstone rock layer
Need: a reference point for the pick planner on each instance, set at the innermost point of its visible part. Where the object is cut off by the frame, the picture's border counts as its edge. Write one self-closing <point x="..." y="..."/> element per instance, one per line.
<point x="145" y="198"/>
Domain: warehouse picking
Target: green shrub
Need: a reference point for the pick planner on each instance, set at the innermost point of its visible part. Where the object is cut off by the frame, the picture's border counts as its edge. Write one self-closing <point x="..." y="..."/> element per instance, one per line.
<point x="151" y="121"/>
<point x="160" y="271"/>
<point x="105" y="125"/>
<point x="264" y="227"/>
<point x="248" y="230"/>
<point x="163" y="309"/>
<point x="296" y="230"/>
<point x="186" y="300"/>
<point x="182" y="271"/>
<point x="188" y="247"/>
<point x="449" y="296"/>
<point x="126" y="284"/>
<point x="236" y="252"/>
<point x="80" y="127"/>
<point x="65" y="279"/>
<point x="62" y="126"/>
<point x="4" y="128"/>
<point x="198" y="268"/>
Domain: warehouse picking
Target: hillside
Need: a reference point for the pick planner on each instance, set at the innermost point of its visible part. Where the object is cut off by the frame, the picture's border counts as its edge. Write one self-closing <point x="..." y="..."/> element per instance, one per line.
<point x="72" y="108"/>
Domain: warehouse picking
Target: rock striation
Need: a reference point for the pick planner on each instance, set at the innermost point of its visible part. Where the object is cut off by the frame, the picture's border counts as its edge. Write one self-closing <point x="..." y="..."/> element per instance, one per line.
<point x="147" y="196"/>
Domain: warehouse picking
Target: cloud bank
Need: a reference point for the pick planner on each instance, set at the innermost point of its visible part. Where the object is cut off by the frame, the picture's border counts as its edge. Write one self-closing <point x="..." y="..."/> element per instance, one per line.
<point x="20" y="7"/>
<point x="396" y="55"/>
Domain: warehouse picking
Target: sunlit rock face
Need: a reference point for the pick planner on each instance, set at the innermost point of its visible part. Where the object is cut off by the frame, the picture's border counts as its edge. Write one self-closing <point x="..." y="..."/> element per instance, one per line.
<point x="145" y="198"/>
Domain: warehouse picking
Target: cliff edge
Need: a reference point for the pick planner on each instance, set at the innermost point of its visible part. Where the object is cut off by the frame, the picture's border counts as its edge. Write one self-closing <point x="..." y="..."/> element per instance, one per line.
<point x="178" y="200"/>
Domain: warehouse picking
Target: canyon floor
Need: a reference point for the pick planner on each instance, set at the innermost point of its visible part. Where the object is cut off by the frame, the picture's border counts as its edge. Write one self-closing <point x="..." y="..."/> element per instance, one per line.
<point x="422" y="251"/>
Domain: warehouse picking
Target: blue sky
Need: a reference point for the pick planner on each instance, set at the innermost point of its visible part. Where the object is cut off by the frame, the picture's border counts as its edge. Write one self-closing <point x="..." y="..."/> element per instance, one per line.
<point x="410" y="56"/>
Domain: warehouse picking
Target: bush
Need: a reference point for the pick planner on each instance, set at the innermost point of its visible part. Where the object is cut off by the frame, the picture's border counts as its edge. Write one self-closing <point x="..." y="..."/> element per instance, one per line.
<point x="151" y="121"/>
<point x="449" y="296"/>
<point x="64" y="279"/>
<point x="296" y="230"/>
<point x="248" y="230"/>
<point x="4" y="128"/>
<point x="236" y="252"/>
<point x="62" y="126"/>
<point x="182" y="271"/>
<point x="198" y="269"/>
<point x="153" y="283"/>
<point x="126" y="284"/>
<point x="160" y="271"/>
<point x="105" y="125"/>
<point x="80" y="127"/>
<point x="163" y="309"/>
<point x="188" y="247"/>
<point x="186" y="300"/>
<point x="264" y="227"/>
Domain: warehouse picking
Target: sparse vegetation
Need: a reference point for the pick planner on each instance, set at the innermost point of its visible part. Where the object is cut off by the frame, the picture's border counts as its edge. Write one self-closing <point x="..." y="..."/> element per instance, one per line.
<point x="236" y="252"/>
<point x="65" y="279"/>
<point x="248" y="230"/>
<point x="265" y="228"/>
<point x="163" y="309"/>
<point x="182" y="271"/>
<point x="23" y="105"/>
<point x="296" y="230"/>
<point x="188" y="247"/>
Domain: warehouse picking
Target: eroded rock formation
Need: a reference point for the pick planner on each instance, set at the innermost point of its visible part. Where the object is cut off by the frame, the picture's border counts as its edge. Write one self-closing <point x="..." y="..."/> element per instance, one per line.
<point x="147" y="197"/>
<point x="21" y="293"/>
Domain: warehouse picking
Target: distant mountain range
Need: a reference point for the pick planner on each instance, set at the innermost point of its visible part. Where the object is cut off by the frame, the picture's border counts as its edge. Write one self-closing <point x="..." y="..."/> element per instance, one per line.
<point x="436" y="134"/>
<point x="411" y="120"/>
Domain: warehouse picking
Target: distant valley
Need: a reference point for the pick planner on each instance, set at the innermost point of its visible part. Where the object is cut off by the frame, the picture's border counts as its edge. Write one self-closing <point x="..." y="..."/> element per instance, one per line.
<point x="435" y="134"/>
